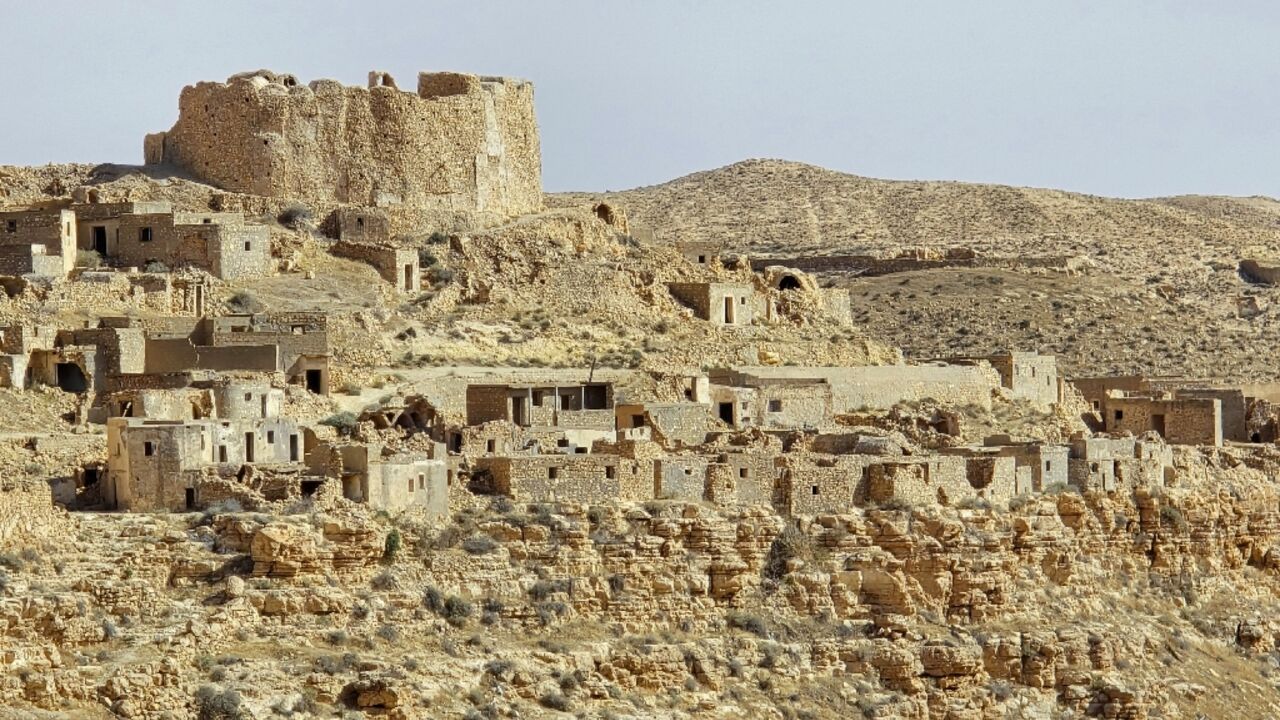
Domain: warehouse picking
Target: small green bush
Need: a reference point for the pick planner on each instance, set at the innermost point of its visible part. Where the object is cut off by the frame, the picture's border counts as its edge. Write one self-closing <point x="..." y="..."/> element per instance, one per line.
<point x="245" y="302"/>
<point x="1173" y="517"/>
<point x="295" y="216"/>
<point x="389" y="551"/>
<point x="88" y="259"/>
<point x="343" y="422"/>
<point x="456" y="610"/>
<point x="479" y="545"/>
<point x="215" y="704"/>
<point x="749" y="623"/>
<point x="544" y="589"/>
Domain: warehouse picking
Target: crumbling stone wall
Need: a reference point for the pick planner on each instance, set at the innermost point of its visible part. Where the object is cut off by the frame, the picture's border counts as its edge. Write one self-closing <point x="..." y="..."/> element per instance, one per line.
<point x="682" y="477"/>
<point x="570" y="478"/>
<point x="672" y="424"/>
<point x="461" y="142"/>
<point x="27" y="514"/>
<point x="720" y="303"/>
<point x="883" y="386"/>
<point x="42" y="242"/>
<point x="398" y="266"/>
<point x="1188" y="421"/>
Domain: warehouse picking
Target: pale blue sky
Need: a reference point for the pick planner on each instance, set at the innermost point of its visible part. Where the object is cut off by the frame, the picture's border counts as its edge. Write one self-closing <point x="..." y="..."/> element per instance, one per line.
<point x="1135" y="98"/>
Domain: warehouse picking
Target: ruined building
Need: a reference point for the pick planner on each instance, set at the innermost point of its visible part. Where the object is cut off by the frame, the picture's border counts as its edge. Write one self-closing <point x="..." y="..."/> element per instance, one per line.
<point x="459" y="143"/>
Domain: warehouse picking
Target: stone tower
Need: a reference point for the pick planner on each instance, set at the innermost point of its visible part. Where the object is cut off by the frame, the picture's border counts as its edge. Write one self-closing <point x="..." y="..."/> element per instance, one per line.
<point x="461" y="143"/>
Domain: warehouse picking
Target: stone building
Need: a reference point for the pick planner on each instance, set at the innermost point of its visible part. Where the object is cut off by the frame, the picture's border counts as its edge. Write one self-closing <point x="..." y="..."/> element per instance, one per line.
<point x="460" y="143"/>
<point x="730" y="304"/>
<point x="1111" y="464"/>
<point x="18" y="345"/>
<point x="1180" y="421"/>
<point x="748" y="477"/>
<point x="397" y="265"/>
<point x="702" y="253"/>
<point x="587" y="406"/>
<point x="158" y="465"/>
<point x="1040" y="466"/>
<point x="594" y="478"/>
<point x="883" y="386"/>
<point x="680" y="477"/>
<point x="393" y="482"/>
<point x="76" y="360"/>
<point x="294" y="344"/>
<point x="1028" y="375"/>
<point x="37" y="241"/>
<point x="1236" y="400"/>
<point x="745" y="399"/>
<point x="196" y="395"/>
<point x="671" y="424"/>
<point x="151" y="233"/>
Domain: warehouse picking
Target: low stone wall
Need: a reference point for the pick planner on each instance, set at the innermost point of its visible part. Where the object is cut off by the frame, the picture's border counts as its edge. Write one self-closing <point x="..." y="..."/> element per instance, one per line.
<point x="28" y="516"/>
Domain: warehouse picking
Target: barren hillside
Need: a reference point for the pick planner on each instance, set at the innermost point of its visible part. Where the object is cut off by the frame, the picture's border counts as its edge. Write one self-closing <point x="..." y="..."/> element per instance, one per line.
<point x="1157" y="286"/>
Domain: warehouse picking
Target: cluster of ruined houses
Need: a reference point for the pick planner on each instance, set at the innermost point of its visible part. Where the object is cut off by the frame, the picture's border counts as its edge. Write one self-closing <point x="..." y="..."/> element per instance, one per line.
<point x="190" y="424"/>
<point x="47" y="241"/>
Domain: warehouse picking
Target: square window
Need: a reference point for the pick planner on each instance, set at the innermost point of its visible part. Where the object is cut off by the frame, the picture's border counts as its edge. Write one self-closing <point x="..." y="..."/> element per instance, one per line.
<point x="148" y="448"/>
<point x="702" y="259"/>
<point x="248" y="246"/>
<point x="742" y="472"/>
<point x="813" y="489"/>
<point x="144" y="234"/>
<point x="248" y="397"/>
<point x="553" y="473"/>
<point x="11" y="226"/>
<point x="410" y="484"/>
<point x="1119" y="415"/>
<point x="775" y="406"/>
<point x="610" y="472"/>
<point x="491" y="445"/>
<point x="271" y="436"/>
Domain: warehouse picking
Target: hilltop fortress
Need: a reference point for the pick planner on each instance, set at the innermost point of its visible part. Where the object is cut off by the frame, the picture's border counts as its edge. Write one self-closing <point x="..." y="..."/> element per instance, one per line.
<point x="461" y="143"/>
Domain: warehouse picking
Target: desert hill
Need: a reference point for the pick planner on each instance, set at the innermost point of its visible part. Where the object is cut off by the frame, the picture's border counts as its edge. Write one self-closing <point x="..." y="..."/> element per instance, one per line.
<point x="1154" y="285"/>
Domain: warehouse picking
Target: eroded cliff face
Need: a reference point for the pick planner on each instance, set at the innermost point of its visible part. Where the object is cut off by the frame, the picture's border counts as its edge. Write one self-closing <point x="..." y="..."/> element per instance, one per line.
<point x="1157" y="603"/>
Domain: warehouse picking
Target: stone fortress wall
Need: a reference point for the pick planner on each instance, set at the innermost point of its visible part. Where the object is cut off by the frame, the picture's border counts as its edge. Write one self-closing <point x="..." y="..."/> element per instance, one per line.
<point x="460" y="143"/>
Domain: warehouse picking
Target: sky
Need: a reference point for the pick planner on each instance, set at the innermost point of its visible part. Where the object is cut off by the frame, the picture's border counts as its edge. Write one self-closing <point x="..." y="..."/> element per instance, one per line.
<point x="1132" y="99"/>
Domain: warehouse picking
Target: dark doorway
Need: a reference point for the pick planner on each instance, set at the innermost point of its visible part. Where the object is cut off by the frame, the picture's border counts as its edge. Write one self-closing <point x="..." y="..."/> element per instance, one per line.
<point x="408" y="277"/>
<point x="1157" y="423"/>
<point x="313" y="380"/>
<point x="726" y="412"/>
<point x="309" y="487"/>
<point x="789" y="282"/>
<point x="293" y="448"/>
<point x="519" y="411"/>
<point x="100" y="239"/>
<point x="90" y="477"/>
<point x="71" y="378"/>
<point x="248" y="447"/>
<point x="728" y="310"/>
<point x="191" y="498"/>
<point x="1256" y="437"/>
